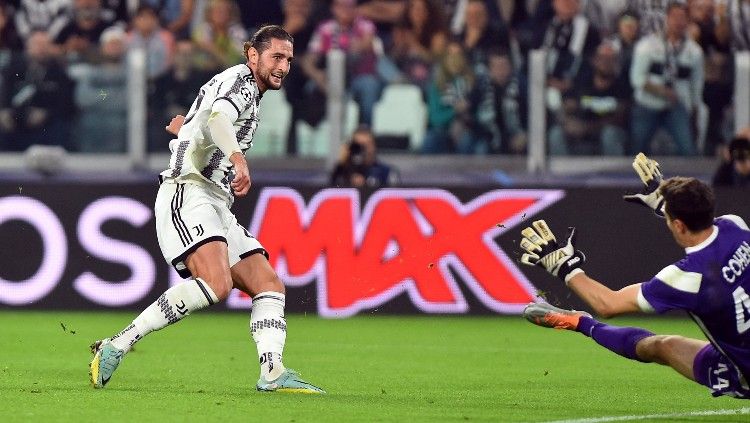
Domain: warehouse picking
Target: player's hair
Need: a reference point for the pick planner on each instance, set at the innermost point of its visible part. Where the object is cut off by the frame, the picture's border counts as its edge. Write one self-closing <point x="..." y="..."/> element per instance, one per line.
<point x="690" y="201"/>
<point x="261" y="40"/>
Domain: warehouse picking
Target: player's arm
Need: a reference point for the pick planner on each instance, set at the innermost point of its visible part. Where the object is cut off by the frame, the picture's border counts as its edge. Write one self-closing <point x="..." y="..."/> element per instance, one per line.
<point x="223" y="135"/>
<point x="564" y="261"/>
<point x="604" y="301"/>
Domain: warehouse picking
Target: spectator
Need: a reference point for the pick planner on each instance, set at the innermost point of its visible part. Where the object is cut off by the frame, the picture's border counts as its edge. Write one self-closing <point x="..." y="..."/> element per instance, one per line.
<point x="385" y="14"/>
<point x="221" y="36"/>
<point x="176" y="91"/>
<point x="418" y="40"/>
<point x="146" y="33"/>
<point x="34" y="106"/>
<point x="495" y="110"/>
<point x="568" y="39"/>
<point x="49" y="16"/>
<point x="9" y="39"/>
<point x="603" y="15"/>
<point x="359" y="166"/>
<point x="79" y="39"/>
<point x="652" y="14"/>
<point x="101" y="97"/>
<point x="448" y="102"/>
<point x="119" y="11"/>
<point x="174" y="15"/>
<point x="594" y="110"/>
<point x="355" y="36"/>
<point x="667" y="76"/>
<point x="624" y="40"/>
<point x="299" y="22"/>
<point x="478" y="35"/>
<point x="735" y="170"/>
<point x="718" y="87"/>
<point x="735" y="14"/>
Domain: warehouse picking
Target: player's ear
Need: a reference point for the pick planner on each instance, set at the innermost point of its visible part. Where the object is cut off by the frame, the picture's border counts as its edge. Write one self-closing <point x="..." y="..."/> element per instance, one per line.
<point x="253" y="55"/>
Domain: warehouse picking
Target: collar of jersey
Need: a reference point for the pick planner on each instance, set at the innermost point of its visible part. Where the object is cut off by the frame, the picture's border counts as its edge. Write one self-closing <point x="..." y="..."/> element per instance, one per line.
<point x="705" y="242"/>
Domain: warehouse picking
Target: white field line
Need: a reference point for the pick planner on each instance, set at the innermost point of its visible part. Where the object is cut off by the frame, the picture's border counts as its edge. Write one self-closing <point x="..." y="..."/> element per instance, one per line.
<point x="737" y="411"/>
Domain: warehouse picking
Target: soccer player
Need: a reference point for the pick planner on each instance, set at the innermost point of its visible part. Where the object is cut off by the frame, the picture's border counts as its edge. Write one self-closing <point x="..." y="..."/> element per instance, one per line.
<point x="711" y="283"/>
<point x="197" y="232"/>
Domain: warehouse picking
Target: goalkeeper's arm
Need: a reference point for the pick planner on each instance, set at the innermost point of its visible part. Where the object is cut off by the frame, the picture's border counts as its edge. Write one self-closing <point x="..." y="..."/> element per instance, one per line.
<point x="604" y="301"/>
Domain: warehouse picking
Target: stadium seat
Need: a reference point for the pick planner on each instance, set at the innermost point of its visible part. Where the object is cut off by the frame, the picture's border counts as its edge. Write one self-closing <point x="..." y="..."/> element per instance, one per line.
<point x="273" y="131"/>
<point x="401" y="111"/>
<point x="313" y="141"/>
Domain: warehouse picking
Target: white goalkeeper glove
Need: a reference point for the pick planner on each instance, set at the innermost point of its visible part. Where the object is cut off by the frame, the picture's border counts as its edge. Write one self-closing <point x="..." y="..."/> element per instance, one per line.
<point x="650" y="174"/>
<point x="543" y="250"/>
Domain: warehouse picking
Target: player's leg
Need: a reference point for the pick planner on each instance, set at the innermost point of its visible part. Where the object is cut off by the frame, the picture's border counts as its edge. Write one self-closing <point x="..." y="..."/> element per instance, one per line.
<point x="201" y="253"/>
<point x="630" y="342"/>
<point x="677" y="352"/>
<point x="254" y="275"/>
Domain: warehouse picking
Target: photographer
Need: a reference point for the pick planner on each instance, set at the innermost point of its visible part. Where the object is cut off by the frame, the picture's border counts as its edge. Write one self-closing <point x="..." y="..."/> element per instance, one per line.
<point x="359" y="167"/>
<point x="735" y="168"/>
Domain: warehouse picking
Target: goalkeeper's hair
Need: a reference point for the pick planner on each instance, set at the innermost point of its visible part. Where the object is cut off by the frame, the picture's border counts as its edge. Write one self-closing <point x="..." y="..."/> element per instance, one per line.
<point x="690" y="201"/>
<point x="261" y="40"/>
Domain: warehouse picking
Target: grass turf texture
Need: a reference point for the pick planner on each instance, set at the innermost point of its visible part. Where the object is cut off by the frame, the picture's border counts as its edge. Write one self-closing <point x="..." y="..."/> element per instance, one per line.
<point x="375" y="368"/>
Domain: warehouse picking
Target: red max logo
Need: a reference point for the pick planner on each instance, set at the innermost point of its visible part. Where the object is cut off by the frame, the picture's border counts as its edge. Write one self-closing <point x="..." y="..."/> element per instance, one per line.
<point x="403" y="240"/>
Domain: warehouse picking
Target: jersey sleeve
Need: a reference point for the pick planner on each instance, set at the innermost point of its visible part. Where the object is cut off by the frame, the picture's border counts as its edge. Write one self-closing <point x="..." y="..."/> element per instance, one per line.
<point x="235" y="97"/>
<point x="672" y="288"/>
<point x="740" y="222"/>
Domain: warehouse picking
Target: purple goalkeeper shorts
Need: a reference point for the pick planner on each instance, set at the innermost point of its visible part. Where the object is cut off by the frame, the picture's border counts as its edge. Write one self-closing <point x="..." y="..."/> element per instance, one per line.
<point x="712" y="369"/>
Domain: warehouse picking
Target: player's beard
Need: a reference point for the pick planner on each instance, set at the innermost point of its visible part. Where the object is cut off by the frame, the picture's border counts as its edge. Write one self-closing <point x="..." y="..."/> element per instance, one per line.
<point x="270" y="81"/>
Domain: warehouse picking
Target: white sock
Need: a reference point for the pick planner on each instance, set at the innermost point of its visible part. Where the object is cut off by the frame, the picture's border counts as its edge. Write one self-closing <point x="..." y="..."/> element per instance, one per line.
<point x="174" y="304"/>
<point x="268" y="328"/>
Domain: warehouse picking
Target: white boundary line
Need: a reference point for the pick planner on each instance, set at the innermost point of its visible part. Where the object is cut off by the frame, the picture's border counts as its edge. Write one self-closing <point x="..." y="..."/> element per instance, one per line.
<point x="743" y="410"/>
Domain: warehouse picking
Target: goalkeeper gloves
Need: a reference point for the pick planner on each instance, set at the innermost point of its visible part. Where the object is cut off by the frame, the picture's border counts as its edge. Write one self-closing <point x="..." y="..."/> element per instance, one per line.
<point x="650" y="174"/>
<point x="543" y="250"/>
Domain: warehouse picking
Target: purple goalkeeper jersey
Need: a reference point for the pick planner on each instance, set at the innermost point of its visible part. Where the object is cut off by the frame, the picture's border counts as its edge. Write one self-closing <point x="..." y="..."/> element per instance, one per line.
<point x="712" y="284"/>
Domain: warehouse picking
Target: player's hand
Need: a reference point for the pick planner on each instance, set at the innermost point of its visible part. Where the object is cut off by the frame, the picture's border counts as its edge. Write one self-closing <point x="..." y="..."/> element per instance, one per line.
<point x="541" y="249"/>
<point x="175" y="124"/>
<point x="241" y="182"/>
<point x="651" y="176"/>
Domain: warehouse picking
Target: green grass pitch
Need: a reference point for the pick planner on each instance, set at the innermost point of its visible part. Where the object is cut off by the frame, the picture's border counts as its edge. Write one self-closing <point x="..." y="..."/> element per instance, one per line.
<point x="375" y="368"/>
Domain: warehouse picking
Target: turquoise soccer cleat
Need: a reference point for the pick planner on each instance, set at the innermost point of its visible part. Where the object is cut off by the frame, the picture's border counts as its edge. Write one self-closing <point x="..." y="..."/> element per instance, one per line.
<point x="105" y="362"/>
<point x="289" y="381"/>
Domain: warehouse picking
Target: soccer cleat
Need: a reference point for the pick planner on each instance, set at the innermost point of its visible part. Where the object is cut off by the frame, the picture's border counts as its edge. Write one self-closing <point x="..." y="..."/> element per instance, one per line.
<point x="105" y="362"/>
<point x="549" y="316"/>
<point x="289" y="381"/>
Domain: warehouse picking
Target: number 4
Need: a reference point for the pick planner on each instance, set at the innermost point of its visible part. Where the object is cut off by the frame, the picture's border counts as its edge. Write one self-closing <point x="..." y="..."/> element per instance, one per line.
<point x="741" y="303"/>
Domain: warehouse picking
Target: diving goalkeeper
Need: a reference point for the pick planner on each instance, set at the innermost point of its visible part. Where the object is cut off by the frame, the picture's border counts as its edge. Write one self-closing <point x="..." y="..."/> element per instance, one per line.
<point x="711" y="283"/>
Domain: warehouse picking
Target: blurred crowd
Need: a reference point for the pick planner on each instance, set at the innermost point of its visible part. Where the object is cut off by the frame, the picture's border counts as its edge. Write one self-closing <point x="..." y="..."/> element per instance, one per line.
<point x="622" y="75"/>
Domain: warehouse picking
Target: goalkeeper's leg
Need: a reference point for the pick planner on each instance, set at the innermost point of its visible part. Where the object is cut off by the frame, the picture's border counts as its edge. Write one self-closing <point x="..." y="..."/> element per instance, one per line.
<point x="210" y="267"/>
<point x="639" y="344"/>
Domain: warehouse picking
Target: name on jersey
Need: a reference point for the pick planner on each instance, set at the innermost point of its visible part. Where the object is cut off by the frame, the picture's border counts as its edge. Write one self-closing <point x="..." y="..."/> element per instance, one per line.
<point x="738" y="263"/>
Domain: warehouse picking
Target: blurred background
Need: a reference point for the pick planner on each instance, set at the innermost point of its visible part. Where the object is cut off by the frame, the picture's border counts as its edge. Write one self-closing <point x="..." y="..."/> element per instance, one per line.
<point x="449" y="91"/>
<point x="468" y="96"/>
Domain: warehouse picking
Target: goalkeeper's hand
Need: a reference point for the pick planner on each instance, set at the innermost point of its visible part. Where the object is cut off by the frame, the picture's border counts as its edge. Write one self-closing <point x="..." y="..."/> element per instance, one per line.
<point x="650" y="174"/>
<point x="542" y="249"/>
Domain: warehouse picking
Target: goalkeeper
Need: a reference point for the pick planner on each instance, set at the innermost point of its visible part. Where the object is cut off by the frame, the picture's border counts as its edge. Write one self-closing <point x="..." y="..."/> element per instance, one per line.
<point x="711" y="283"/>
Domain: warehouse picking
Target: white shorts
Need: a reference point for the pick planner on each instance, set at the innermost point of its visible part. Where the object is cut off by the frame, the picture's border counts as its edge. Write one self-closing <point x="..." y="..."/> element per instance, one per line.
<point x="189" y="215"/>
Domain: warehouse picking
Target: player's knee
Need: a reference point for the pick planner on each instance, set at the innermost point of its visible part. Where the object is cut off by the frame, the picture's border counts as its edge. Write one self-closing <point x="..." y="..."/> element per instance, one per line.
<point x="220" y="283"/>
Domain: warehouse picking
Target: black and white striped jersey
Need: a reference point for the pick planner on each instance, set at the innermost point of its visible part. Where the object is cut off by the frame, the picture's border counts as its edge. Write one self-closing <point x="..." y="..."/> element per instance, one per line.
<point x="194" y="154"/>
<point x="43" y="15"/>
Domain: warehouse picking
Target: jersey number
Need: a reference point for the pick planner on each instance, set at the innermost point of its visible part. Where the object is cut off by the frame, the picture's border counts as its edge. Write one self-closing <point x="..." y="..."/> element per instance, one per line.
<point x="742" y="306"/>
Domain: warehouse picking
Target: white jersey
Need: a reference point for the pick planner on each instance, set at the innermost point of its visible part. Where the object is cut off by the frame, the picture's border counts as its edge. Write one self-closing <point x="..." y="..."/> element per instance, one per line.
<point x="194" y="154"/>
